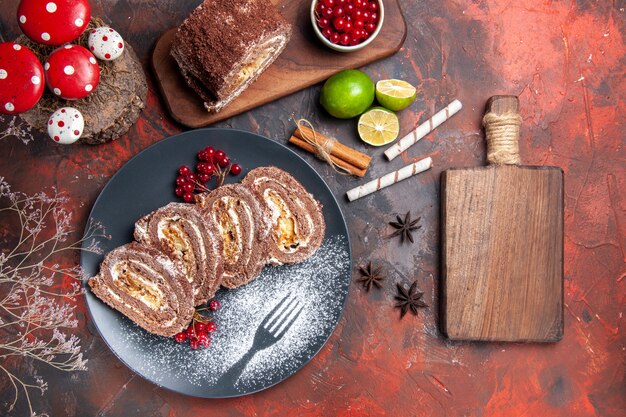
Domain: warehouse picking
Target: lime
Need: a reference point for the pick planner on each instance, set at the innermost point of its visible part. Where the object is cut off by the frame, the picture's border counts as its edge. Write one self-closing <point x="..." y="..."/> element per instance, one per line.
<point x="347" y="94"/>
<point x="378" y="126"/>
<point x="395" y="95"/>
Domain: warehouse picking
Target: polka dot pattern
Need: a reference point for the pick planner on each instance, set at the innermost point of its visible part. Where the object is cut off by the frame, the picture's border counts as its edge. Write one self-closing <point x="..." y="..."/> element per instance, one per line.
<point x="72" y="73"/>
<point x="21" y="76"/>
<point x="66" y="125"/>
<point x="53" y="22"/>
<point x="68" y="69"/>
<point x="106" y="43"/>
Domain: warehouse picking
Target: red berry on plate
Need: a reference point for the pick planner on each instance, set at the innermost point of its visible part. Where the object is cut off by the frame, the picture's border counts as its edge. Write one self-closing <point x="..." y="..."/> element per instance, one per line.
<point x="204" y="340"/>
<point x="202" y="156"/>
<point x="192" y="178"/>
<point x="188" y="188"/>
<point x="223" y="162"/>
<point x="200" y="166"/>
<point x="190" y="332"/>
<point x="188" y="197"/>
<point x="179" y="191"/>
<point x="194" y="343"/>
<point x="219" y="154"/>
<point x="235" y="169"/>
<point x="211" y="327"/>
<point x="184" y="170"/>
<point x="200" y="327"/>
<point x="214" y="305"/>
<point x="204" y="178"/>
<point x="180" y="337"/>
<point x="209" y="169"/>
<point x="180" y="180"/>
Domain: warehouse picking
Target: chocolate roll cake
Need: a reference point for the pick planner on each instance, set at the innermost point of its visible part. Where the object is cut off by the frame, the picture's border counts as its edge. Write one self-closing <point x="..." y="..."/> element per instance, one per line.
<point x="244" y="229"/>
<point x="147" y="287"/>
<point x="298" y="224"/>
<point x="223" y="46"/>
<point x="181" y="232"/>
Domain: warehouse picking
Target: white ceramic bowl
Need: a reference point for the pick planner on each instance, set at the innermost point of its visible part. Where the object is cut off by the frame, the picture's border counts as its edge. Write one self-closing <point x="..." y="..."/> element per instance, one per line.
<point x="342" y="48"/>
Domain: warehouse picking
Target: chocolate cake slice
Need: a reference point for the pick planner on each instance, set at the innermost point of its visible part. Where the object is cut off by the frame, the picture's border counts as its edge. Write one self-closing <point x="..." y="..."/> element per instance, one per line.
<point x="298" y="226"/>
<point x="147" y="287"/>
<point x="223" y="46"/>
<point x="181" y="232"/>
<point x="244" y="229"/>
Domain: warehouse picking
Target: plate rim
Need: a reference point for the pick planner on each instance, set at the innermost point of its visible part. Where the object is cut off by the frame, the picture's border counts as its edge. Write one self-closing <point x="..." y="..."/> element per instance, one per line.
<point x="90" y="297"/>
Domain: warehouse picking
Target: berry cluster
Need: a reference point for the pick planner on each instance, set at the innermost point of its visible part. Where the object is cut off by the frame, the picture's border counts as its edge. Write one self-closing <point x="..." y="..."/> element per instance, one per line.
<point x="212" y="163"/>
<point x="347" y="22"/>
<point x="199" y="329"/>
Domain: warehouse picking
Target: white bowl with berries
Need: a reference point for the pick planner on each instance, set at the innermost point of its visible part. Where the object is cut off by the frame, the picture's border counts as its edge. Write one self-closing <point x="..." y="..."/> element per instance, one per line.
<point x="347" y="25"/>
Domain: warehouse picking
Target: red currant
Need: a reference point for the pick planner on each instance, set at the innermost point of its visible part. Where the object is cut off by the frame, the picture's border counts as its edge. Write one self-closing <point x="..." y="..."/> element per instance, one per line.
<point x="209" y="168"/>
<point x="204" y="177"/>
<point x="210" y="153"/>
<point x="214" y="305"/>
<point x="348" y="27"/>
<point x="199" y="327"/>
<point x="188" y="197"/>
<point x="204" y="340"/>
<point x="191" y="177"/>
<point x="219" y="154"/>
<point x="211" y="327"/>
<point x="370" y="27"/>
<point x="203" y="156"/>
<point x="223" y="162"/>
<point x="201" y="166"/>
<point x="327" y="32"/>
<point x="319" y="9"/>
<point x="359" y="24"/>
<point x="344" y="39"/>
<point x="339" y="23"/>
<point x="184" y="170"/>
<point x="180" y="181"/>
<point x="334" y="37"/>
<point x="373" y="6"/>
<point x="354" y="42"/>
<point x="235" y="169"/>
<point x="180" y="337"/>
<point x="374" y="17"/>
<point x="340" y="2"/>
<point x="322" y="22"/>
<point x="194" y="343"/>
<point x="188" y="188"/>
<point x="190" y="332"/>
<point x="328" y="3"/>
<point x="349" y="8"/>
<point x="179" y="191"/>
<point x="366" y="16"/>
<point x="357" y="15"/>
<point x="338" y="11"/>
<point x="327" y="13"/>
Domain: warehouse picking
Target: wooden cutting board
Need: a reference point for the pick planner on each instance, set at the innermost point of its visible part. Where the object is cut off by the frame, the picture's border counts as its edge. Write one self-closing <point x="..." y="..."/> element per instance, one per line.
<point x="304" y="62"/>
<point x="502" y="245"/>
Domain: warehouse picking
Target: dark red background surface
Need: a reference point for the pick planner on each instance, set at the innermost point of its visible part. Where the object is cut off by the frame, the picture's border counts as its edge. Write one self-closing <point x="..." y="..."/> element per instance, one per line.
<point x="565" y="60"/>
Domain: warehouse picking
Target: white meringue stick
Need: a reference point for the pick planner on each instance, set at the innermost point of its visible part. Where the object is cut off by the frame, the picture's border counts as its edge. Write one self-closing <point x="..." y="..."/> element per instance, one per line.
<point x="423" y="129"/>
<point x="390" y="179"/>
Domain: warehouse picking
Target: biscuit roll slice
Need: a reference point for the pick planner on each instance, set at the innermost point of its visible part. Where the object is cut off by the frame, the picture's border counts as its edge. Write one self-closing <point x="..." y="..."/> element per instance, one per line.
<point x="180" y="231"/>
<point x="147" y="287"/>
<point x="244" y="229"/>
<point x="297" y="220"/>
<point x="223" y="46"/>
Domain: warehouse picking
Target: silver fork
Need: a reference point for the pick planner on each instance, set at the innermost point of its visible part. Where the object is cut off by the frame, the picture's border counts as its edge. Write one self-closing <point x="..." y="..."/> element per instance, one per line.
<point x="273" y="327"/>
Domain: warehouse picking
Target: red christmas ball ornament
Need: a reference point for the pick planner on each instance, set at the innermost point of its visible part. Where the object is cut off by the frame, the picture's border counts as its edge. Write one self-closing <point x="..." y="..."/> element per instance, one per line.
<point x="53" y="22"/>
<point x="72" y="72"/>
<point x="21" y="78"/>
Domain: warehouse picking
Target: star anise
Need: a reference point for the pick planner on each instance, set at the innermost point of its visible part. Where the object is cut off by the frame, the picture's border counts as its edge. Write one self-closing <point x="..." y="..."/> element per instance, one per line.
<point x="405" y="227"/>
<point x="371" y="276"/>
<point x="409" y="300"/>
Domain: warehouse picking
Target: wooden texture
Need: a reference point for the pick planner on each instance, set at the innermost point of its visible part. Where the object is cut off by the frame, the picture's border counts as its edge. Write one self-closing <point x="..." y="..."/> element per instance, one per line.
<point x="304" y="62"/>
<point x="374" y="364"/>
<point x="502" y="248"/>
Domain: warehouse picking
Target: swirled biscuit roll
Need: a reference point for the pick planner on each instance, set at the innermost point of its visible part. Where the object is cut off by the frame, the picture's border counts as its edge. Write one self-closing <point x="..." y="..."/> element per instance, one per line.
<point x="180" y="231"/>
<point x="243" y="227"/>
<point x="297" y="221"/>
<point x="147" y="287"/>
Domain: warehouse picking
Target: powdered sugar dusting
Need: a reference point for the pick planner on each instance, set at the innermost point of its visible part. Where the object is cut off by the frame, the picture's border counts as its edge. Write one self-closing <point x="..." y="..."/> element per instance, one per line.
<point x="320" y="284"/>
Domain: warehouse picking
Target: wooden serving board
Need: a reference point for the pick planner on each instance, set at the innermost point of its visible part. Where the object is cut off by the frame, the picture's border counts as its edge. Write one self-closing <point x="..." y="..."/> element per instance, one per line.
<point x="502" y="253"/>
<point x="304" y="62"/>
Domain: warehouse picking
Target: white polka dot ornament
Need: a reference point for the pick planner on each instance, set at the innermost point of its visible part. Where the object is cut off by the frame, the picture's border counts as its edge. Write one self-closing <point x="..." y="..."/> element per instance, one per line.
<point x="66" y="125"/>
<point x="21" y="78"/>
<point x="105" y="43"/>
<point x="53" y="22"/>
<point x="72" y="72"/>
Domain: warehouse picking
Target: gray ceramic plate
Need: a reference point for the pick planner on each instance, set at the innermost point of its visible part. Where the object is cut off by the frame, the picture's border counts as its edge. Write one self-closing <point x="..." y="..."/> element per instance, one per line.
<point x="320" y="284"/>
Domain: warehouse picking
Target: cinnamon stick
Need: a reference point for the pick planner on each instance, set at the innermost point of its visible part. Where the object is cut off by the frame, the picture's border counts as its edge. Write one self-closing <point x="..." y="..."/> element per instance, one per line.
<point x="340" y="162"/>
<point x="339" y="150"/>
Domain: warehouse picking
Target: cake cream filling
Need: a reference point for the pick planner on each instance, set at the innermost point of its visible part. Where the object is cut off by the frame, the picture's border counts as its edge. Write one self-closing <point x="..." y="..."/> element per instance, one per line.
<point x="127" y="277"/>
<point x="284" y="224"/>
<point x="229" y="227"/>
<point x="172" y="232"/>
<point x="117" y="298"/>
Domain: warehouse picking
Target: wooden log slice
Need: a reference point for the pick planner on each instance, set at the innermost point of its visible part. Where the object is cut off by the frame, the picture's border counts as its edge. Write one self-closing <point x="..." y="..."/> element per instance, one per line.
<point x="114" y="105"/>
